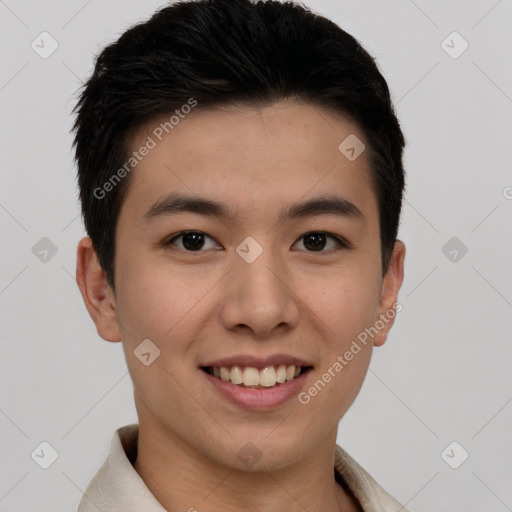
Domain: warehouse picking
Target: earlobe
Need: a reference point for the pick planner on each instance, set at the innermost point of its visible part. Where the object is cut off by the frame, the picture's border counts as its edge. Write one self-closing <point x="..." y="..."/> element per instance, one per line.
<point x="389" y="295"/>
<point x="97" y="294"/>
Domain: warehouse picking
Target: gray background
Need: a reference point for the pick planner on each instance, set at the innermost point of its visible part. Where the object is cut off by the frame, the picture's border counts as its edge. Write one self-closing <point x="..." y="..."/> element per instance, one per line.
<point x="444" y="374"/>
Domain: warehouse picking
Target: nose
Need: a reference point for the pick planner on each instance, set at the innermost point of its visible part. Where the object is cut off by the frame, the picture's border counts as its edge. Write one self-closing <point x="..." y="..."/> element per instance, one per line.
<point x="259" y="297"/>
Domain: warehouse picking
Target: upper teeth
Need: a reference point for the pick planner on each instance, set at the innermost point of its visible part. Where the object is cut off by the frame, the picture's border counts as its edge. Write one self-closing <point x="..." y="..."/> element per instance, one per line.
<point x="250" y="376"/>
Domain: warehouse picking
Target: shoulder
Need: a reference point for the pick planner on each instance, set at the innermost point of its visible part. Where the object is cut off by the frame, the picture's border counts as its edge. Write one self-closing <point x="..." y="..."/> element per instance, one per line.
<point x="371" y="496"/>
<point x="117" y="487"/>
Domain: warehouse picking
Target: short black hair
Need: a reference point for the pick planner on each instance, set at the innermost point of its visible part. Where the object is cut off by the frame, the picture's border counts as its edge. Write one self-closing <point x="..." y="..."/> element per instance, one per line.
<point x="218" y="53"/>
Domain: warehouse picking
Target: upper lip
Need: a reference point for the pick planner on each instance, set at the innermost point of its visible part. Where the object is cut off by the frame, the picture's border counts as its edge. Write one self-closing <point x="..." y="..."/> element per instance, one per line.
<point x="258" y="362"/>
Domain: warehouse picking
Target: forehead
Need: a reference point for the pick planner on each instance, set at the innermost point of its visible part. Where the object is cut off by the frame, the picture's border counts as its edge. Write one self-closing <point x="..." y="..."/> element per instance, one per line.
<point x="254" y="159"/>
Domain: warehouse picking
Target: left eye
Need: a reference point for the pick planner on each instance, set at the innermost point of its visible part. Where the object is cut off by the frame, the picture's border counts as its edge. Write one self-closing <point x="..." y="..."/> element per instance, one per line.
<point x="316" y="240"/>
<point x="194" y="241"/>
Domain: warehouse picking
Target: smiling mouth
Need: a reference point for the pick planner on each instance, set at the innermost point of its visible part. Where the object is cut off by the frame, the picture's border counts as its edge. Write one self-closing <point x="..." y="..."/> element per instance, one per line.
<point x="251" y="377"/>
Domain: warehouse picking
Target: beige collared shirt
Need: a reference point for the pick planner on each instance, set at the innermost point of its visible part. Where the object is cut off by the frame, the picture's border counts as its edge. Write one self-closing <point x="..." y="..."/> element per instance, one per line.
<point x="117" y="487"/>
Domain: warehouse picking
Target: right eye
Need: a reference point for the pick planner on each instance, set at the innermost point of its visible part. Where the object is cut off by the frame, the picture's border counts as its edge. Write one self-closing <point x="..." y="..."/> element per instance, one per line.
<point x="191" y="241"/>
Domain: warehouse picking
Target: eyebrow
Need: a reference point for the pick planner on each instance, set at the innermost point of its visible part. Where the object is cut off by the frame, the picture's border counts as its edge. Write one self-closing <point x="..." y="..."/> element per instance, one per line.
<point x="176" y="203"/>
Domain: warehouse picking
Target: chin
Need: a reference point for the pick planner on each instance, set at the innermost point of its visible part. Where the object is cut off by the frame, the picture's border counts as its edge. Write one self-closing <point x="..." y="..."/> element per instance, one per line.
<point x="262" y="453"/>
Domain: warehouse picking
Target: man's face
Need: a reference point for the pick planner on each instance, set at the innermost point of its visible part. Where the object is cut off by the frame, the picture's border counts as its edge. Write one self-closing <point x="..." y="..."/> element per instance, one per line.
<point x="206" y="297"/>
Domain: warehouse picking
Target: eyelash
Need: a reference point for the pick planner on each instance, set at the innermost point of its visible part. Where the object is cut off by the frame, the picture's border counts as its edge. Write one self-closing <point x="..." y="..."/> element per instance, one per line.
<point x="341" y="241"/>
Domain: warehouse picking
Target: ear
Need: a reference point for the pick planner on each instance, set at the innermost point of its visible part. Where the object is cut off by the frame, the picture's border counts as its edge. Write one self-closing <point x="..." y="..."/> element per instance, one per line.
<point x="389" y="294"/>
<point x="97" y="294"/>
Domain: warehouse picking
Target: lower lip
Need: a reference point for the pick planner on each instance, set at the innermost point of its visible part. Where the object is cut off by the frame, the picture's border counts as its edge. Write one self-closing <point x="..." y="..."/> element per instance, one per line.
<point x="258" y="399"/>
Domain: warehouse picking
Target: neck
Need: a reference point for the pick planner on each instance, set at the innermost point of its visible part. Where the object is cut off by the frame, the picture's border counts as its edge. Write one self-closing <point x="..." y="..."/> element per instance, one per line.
<point x="181" y="478"/>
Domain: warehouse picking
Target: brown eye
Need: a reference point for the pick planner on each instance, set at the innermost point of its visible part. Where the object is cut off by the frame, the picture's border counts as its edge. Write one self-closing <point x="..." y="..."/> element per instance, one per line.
<point x="317" y="241"/>
<point x="191" y="241"/>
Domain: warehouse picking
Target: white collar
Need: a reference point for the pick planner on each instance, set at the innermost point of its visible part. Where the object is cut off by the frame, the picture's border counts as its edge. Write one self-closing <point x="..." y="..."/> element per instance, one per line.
<point x="117" y="487"/>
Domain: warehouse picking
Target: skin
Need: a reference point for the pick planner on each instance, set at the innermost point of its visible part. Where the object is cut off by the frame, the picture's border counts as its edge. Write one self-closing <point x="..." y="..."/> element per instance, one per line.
<point x="200" y="306"/>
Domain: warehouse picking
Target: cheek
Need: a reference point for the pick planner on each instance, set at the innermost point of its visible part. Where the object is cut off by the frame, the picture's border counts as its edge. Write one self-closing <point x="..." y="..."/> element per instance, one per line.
<point x="343" y="304"/>
<point x="163" y="307"/>
<point x="161" y="303"/>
